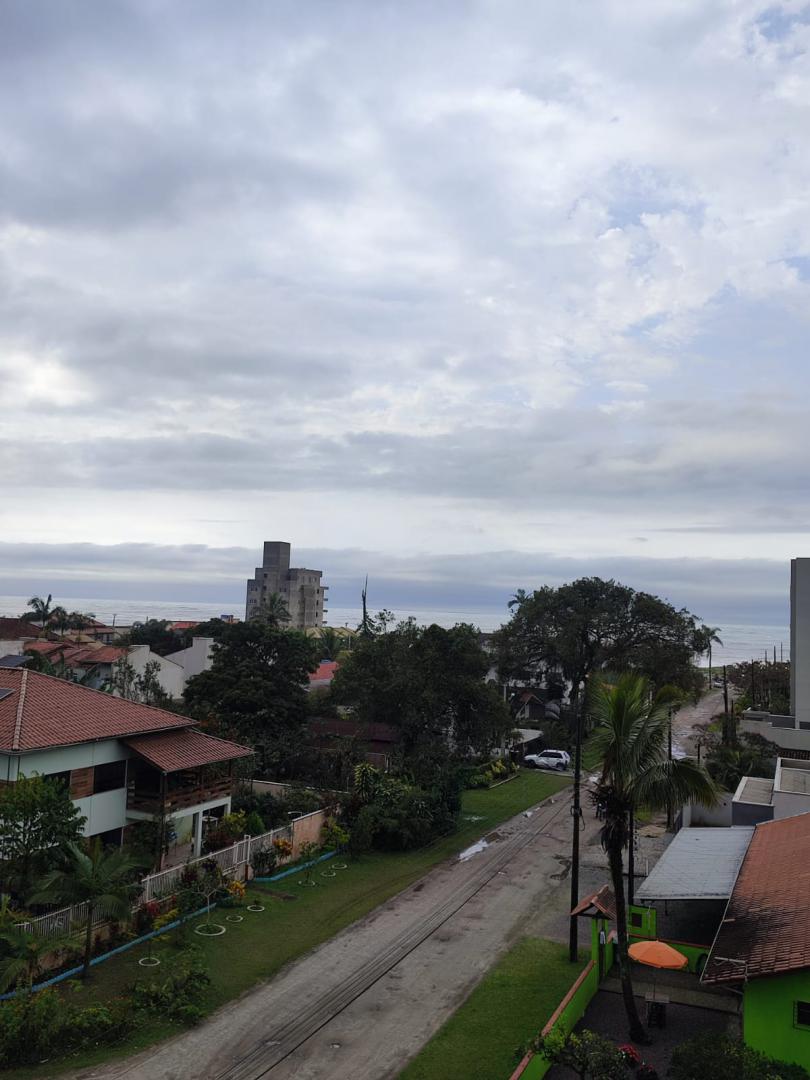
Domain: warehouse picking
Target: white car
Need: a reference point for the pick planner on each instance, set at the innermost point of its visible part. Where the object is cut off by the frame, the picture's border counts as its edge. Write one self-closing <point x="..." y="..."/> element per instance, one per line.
<point x="549" y="759"/>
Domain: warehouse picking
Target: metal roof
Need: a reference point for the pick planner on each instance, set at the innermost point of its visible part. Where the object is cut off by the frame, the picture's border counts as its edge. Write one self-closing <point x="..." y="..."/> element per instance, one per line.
<point x="754" y="789"/>
<point x="699" y="864"/>
<point x="794" y="780"/>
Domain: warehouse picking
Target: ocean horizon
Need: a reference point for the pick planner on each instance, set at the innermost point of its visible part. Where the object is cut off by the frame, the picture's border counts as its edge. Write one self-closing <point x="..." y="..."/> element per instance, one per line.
<point x="741" y="641"/>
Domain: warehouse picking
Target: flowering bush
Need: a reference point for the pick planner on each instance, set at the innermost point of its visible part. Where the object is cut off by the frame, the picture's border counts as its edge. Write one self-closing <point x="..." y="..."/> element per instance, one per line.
<point x="236" y="889"/>
<point x="630" y="1054"/>
<point x="168" y="917"/>
<point x="283" y="848"/>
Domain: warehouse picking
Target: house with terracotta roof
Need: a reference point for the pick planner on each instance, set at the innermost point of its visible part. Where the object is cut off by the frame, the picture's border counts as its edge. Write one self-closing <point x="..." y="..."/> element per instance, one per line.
<point x="762" y="948"/>
<point x="122" y="762"/>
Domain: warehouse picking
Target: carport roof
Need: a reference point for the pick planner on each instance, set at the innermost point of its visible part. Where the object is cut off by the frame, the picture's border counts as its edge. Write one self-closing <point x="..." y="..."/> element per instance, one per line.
<point x="699" y="864"/>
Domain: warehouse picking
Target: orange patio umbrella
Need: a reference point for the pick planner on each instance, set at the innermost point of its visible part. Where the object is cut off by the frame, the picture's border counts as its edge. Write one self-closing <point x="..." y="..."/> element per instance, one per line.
<point x="657" y="954"/>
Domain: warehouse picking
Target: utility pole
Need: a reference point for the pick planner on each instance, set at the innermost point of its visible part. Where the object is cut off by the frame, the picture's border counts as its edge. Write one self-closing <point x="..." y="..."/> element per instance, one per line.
<point x="753" y="688"/>
<point x="576" y="816"/>
<point x="669" y="757"/>
<point x="631" y="858"/>
<point x="725" y="689"/>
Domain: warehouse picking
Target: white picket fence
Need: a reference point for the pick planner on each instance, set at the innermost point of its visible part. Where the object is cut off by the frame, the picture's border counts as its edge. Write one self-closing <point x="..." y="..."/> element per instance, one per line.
<point x="162" y="884"/>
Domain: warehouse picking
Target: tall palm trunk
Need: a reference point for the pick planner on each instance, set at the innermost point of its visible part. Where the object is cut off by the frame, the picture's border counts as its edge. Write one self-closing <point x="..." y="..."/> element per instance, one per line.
<point x="637" y="1032"/>
<point x="88" y="942"/>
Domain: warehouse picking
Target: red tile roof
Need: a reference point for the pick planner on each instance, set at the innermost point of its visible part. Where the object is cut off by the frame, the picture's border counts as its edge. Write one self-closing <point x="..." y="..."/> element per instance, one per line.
<point x="602" y="902"/>
<point x="184" y="624"/>
<point x="77" y="655"/>
<point x="324" y="673"/>
<point x="15" y="629"/>
<point x="43" y="711"/>
<point x="175" y="750"/>
<point x="764" y="929"/>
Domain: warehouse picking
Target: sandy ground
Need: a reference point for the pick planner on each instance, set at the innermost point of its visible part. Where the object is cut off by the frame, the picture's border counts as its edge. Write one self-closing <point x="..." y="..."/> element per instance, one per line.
<point x="362" y="1004"/>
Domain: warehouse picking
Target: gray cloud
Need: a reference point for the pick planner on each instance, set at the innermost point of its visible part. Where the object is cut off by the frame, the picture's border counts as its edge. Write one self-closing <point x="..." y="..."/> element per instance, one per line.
<point x="738" y="590"/>
<point x="457" y="256"/>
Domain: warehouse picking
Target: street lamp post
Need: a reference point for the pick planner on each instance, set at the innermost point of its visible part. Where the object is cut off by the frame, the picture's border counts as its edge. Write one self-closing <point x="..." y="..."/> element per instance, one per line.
<point x="576" y="816"/>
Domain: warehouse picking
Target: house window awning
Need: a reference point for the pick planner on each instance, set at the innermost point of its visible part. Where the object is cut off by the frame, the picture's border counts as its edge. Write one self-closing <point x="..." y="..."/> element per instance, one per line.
<point x="173" y="751"/>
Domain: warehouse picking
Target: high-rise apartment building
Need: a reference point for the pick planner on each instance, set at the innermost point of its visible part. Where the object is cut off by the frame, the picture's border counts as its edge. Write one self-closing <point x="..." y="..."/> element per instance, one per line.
<point x="300" y="589"/>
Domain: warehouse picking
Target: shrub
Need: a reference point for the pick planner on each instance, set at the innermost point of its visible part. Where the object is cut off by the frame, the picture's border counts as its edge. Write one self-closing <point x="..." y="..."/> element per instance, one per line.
<point x="334" y="836"/>
<point x="31" y="1026"/>
<point x="361" y="838"/>
<point x="588" y="1055"/>
<point x="724" y="1058"/>
<point x="264" y="862"/>
<point x="181" y="995"/>
<point x="254" y="824"/>
<point x="167" y="917"/>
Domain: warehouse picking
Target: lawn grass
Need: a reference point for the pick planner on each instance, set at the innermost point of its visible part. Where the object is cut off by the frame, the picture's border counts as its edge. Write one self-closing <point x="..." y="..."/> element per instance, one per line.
<point x="484" y="1038"/>
<point x="265" y="941"/>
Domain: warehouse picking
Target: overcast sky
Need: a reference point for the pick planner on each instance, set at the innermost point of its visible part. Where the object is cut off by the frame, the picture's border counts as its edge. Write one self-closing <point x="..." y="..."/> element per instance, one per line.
<point x="525" y="284"/>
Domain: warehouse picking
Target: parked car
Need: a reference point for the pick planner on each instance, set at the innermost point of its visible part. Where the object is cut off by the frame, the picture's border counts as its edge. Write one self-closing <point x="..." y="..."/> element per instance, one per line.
<point x="548" y="759"/>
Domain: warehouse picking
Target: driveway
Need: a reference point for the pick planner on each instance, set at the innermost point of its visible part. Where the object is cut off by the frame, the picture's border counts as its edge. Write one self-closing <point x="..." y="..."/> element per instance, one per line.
<point x="362" y="1004"/>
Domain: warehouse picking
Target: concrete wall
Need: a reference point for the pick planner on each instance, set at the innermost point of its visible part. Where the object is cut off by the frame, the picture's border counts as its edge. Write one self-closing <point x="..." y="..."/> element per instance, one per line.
<point x="769" y="1017"/>
<point x="786" y="738"/>
<point x="750" y="813"/>
<point x="694" y="815"/>
<point x="12" y="648"/>
<point x="800" y="639"/>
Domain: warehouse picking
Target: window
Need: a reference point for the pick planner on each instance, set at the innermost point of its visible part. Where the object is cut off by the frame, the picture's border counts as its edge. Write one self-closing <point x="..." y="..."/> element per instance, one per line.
<point x="801" y="1014"/>
<point x="636" y="919"/>
<point x="109" y="777"/>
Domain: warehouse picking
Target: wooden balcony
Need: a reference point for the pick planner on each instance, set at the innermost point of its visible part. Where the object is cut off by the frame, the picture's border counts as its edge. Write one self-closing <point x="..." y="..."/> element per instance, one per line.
<point x="182" y="798"/>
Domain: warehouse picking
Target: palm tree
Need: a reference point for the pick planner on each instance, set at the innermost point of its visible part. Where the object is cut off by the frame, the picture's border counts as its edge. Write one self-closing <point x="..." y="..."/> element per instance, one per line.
<point x="60" y="619"/>
<point x="78" y="620"/>
<point x="631" y="738"/>
<point x="331" y="643"/>
<point x="274" y="610"/>
<point x="100" y="878"/>
<point x="25" y="955"/>
<point x="519" y="598"/>
<point x="705" y="637"/>
<point x="40" y="609"/>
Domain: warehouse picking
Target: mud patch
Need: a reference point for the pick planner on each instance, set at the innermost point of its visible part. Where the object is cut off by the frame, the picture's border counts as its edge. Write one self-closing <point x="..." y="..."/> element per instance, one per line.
<point x="282" y="895"/>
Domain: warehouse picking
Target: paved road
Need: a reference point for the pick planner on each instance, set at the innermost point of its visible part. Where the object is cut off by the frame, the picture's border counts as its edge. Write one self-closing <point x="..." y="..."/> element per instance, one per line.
<point x="362" y="1004"/>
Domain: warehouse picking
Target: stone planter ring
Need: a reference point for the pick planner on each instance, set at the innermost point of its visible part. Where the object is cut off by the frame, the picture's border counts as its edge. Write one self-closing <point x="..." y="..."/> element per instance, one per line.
<point x="234" y="918"/>
<point x="209" y="930"/>
<point x="148" y="961"/>
<point x="328" y="873"/>
<point x="340" y="866"/>
<point x="255" y="907"/>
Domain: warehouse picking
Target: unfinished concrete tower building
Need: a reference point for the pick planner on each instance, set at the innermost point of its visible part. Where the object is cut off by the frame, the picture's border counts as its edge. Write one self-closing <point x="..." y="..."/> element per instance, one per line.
<point x="300" y="589"/>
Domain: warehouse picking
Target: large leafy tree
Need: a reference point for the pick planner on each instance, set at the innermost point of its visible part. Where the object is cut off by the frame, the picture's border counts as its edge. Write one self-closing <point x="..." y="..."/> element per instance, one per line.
<point x="255" y="689"/>
<point x="427" y="681"/>
<point x="101" y="878"/>
<point x="157" y="634"/>
<point x="37" y="816"/>
<point x="631" y="738"/>
<point x="590" y="625"/>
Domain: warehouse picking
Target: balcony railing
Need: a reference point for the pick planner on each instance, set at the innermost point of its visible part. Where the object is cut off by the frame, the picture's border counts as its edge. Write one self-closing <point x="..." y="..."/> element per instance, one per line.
<point x="150" y="802"/>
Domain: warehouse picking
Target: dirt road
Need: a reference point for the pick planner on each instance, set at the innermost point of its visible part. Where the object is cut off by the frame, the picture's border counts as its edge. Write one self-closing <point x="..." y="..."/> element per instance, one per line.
<point x="683" y="721"/>
<point x="362" y="1004"/>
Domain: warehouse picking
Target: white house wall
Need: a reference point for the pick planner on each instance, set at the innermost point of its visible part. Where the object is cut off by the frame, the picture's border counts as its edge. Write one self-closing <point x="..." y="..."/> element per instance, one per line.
<point x="171" y="676"/>
<point x="103" y="812"/>
<point x="11" y="648"/>
<point x="82" y="756"/>
<point x="198" y="657"/>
